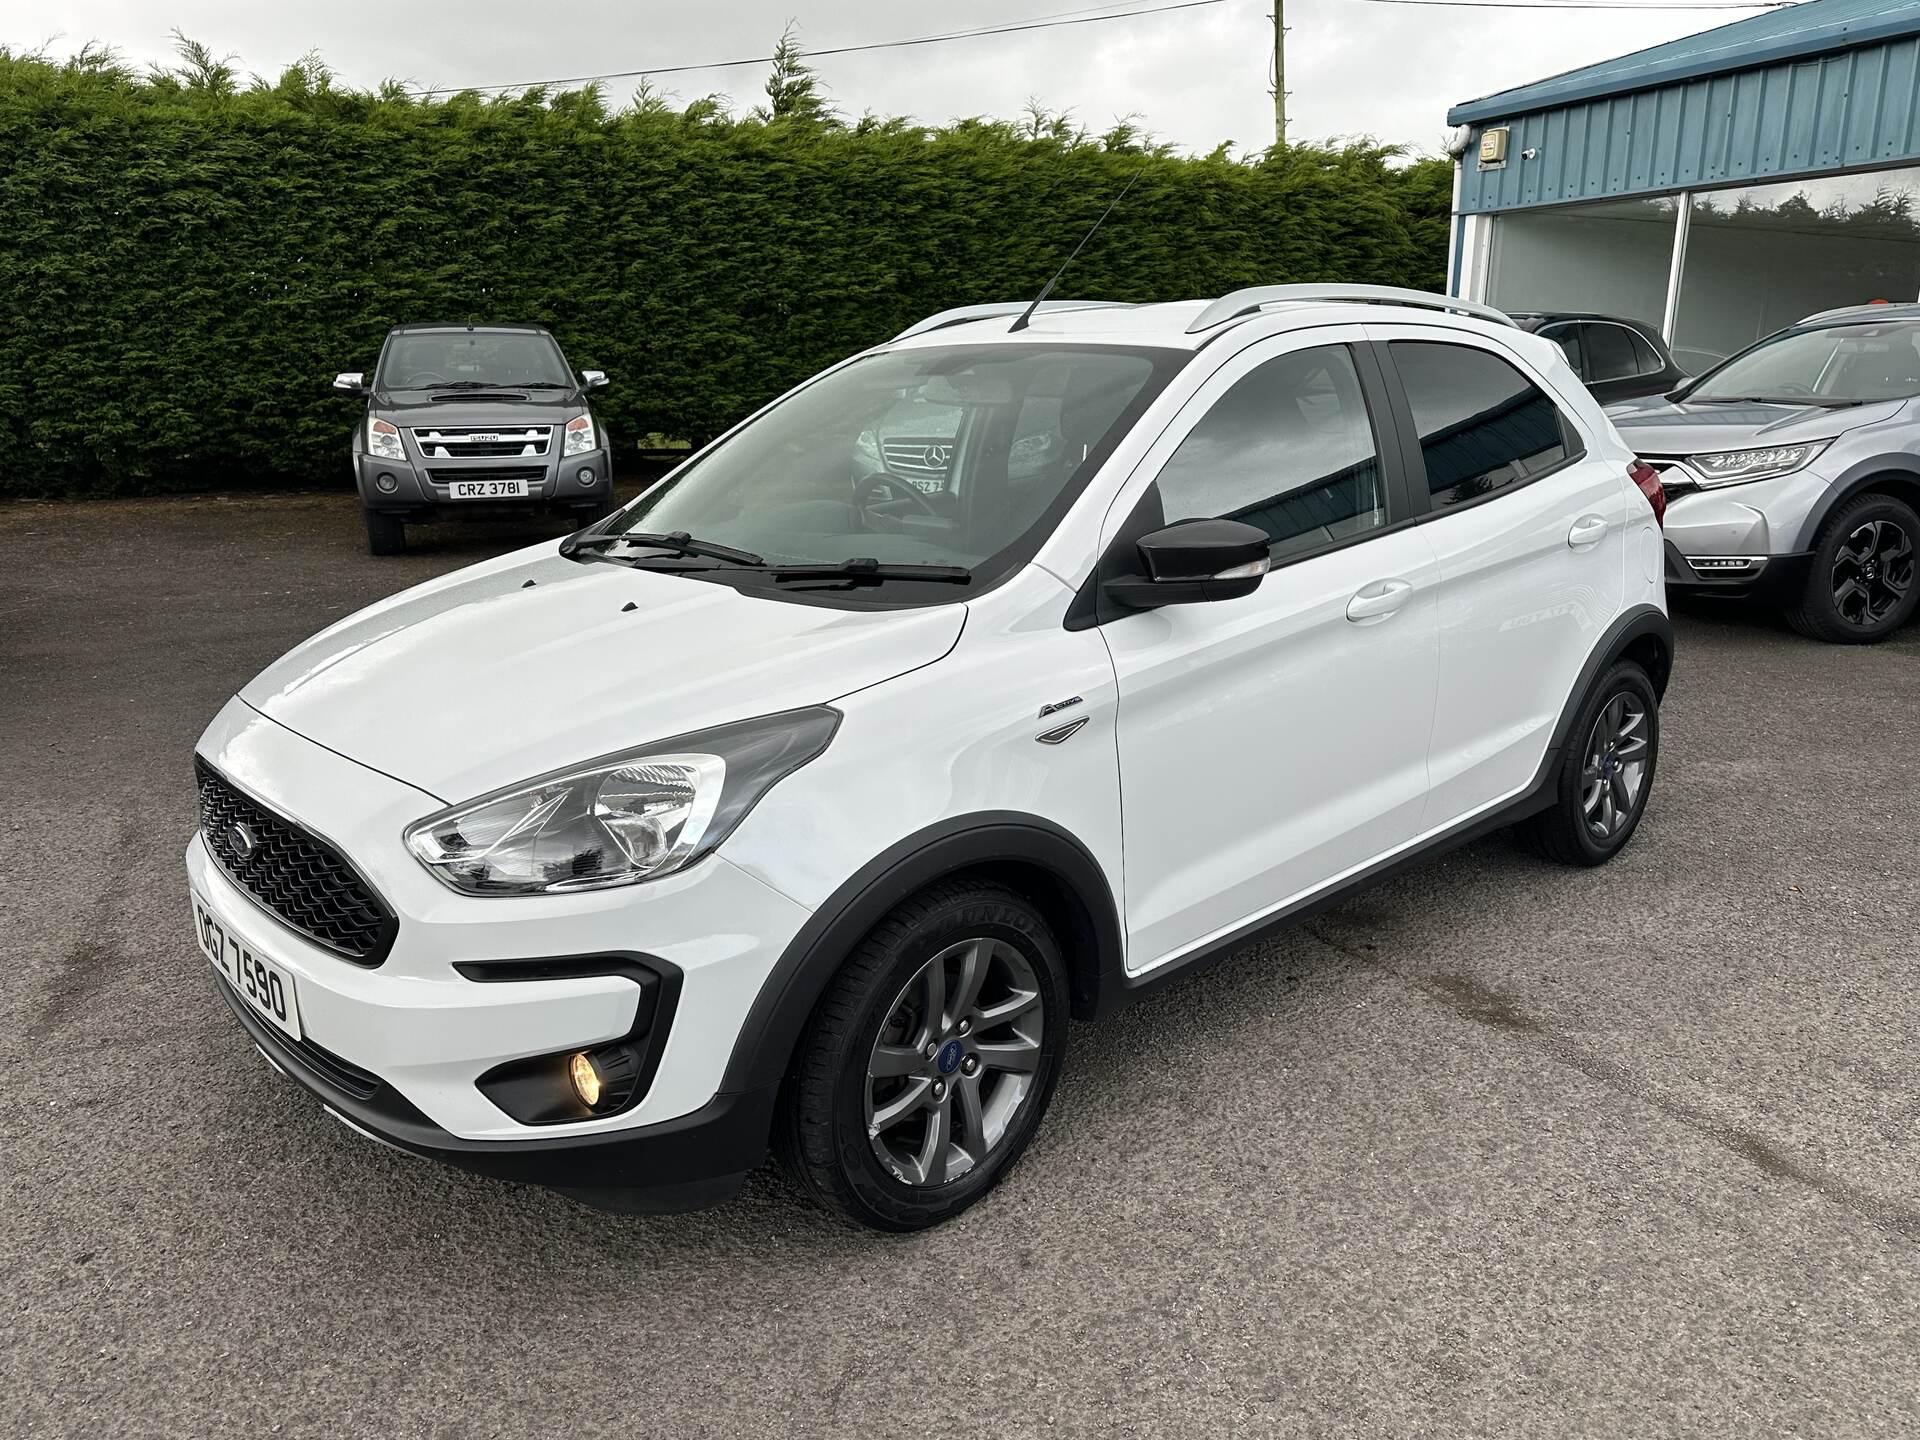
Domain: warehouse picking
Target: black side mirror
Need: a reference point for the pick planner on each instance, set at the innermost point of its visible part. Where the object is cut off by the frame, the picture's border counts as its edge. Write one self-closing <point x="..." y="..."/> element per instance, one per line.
<point x="1193" y="561"/>
<point x="593" y="379"/>
<point x="351" y="382"/>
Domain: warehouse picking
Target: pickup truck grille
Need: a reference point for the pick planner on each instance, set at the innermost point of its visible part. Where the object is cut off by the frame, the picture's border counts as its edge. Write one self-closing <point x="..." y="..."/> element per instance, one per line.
<point x="923" y="461"/>
<point x="292" y="873"/>
<point x="473" y="442"/>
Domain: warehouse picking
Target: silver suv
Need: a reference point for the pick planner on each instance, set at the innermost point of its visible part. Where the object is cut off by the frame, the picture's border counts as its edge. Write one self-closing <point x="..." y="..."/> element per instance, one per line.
<point x="1792" y="472"/>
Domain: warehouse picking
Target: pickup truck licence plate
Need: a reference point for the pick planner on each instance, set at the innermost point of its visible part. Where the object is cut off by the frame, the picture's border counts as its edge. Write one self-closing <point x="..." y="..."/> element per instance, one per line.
<point x="488" y="490"/>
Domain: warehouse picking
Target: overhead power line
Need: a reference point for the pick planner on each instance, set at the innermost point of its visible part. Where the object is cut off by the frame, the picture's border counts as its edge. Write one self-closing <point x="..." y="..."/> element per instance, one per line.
<point x="1068" y="17"/>
<point x="1595" y="4"/>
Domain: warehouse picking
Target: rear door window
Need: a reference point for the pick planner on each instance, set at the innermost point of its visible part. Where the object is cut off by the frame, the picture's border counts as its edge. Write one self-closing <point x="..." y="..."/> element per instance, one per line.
<point x="1483" y="426"/>
<point x="1609" y="352"/>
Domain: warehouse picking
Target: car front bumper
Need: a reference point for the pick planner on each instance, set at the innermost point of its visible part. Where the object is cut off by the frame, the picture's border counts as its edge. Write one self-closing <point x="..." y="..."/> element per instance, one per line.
<point x="419" y="1034"/>
<point x="413" y="487"/>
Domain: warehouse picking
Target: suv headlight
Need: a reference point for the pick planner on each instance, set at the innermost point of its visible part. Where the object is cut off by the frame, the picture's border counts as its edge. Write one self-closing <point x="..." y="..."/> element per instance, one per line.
<point x="621" y="820"/>
<point x="580" y="436"/>
<point x="1731" y="467"/>
<point x="383" y="440"/>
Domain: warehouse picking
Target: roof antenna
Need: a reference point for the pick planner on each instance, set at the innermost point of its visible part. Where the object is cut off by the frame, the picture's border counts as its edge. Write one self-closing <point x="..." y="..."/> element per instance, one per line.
<point x="1026" y="316"/>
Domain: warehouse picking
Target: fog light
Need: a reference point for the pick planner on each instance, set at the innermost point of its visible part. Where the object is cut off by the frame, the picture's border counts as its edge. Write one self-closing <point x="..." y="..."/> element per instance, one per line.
<point x="586" y="1079"/>
<point x="386" y="483"/>
<point x="604" y="1079"/>
<point x="585" y="477"/>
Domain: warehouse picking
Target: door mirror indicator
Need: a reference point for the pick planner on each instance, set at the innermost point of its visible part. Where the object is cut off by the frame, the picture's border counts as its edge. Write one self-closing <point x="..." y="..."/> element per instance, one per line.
<point x="1195" y="561"/>
<point x="351" y="382"/>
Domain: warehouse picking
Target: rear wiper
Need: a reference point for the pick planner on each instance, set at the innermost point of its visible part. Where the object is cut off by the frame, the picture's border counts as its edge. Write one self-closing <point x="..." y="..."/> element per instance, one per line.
<point x="867" y="568"/>
<point x="679" y="542"/>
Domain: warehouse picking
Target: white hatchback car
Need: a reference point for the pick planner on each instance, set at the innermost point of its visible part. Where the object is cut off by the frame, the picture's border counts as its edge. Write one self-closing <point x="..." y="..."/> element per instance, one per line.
<point x="801" y="803"/>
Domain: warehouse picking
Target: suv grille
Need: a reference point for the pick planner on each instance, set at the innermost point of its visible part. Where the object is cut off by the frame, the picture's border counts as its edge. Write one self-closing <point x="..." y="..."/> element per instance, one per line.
<point x="455" y="442"/>
<point x="295" y="875"/>
<point x="923" y="461"/>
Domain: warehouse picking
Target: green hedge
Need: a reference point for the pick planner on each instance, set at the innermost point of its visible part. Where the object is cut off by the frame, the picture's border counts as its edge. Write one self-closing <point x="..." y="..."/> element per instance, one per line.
<point x="183" y="266"/>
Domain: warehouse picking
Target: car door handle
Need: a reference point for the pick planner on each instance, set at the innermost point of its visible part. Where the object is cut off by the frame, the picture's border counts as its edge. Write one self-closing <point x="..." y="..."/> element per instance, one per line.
<point x="1586" y="531"/>
<point x="1375" y="602"/>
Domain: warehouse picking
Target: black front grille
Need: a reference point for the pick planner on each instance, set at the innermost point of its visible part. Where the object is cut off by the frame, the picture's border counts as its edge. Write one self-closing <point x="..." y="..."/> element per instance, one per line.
<point x="360" y="1084"/>
<point x="295" y="875"/>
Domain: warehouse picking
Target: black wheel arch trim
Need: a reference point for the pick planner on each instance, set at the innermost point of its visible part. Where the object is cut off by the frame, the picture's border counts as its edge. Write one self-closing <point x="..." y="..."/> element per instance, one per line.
<point x="1858" y="480"/>
<point x="764" y="1047"/>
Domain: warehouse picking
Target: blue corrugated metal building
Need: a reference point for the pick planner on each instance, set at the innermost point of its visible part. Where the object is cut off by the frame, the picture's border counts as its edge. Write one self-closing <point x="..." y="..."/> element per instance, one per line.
<point x="1718" y="186"/>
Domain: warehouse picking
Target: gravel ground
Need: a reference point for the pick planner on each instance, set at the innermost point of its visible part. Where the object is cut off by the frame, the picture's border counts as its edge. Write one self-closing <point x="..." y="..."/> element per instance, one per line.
<point x="1493" y="1149"/>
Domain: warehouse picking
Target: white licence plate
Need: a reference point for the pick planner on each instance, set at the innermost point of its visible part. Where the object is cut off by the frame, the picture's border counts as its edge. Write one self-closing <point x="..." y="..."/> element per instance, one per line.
<point x="255" y="979"/>
<point x="488" y="490"/>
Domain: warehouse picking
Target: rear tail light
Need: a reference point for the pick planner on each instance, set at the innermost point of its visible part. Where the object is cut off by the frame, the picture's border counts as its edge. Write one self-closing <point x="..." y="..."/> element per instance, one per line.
<point x="1648" y="479"/>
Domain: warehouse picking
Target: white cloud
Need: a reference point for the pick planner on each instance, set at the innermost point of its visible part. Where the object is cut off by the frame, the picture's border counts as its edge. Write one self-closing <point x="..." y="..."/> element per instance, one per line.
<point x="1194" y="77"/>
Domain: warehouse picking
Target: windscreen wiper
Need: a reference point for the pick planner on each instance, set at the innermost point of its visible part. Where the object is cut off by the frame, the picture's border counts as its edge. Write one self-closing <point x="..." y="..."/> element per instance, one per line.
<point x="865" y="568"/>
<point x="1817" y="402"/>
<point x="678" y="542"/>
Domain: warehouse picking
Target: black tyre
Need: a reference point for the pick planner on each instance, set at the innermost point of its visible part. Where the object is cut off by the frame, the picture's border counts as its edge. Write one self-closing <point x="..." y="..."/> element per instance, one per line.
<point x="386" y="534"/>
<point x="1860" y="588"/>
<point x="927" y="1066"/>
<point x="1606" y="773"/>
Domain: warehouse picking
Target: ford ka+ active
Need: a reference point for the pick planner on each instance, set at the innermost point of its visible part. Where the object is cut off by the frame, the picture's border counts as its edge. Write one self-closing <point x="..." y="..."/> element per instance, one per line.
<point x="982" y="683"/>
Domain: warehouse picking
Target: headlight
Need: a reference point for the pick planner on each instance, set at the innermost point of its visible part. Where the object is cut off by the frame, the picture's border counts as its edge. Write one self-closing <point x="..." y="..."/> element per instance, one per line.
<point x="627" y="818"/>
<point x="383" y="440"/>
<point x="1730" y="467"/>
<point x="580" y="437"/>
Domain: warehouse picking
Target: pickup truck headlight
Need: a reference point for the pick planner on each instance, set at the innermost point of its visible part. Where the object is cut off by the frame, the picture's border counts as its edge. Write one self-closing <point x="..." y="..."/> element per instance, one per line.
<point x="383" y="440"/>
<point x="621" y="820"/>
<point x="580" y="436"/>
<point x="1732" y="467"/>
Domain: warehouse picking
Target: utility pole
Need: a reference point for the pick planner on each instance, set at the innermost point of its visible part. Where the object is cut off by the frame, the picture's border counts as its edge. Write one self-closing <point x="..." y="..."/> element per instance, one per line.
<point x="1279" y="72"/>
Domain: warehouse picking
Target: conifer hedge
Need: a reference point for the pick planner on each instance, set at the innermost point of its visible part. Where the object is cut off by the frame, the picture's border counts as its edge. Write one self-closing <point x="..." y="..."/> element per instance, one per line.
<point x="184" y="263"/>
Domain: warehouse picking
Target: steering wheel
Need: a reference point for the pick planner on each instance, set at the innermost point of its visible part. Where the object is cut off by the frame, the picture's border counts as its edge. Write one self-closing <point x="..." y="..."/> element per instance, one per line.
<point x="1794" y="387"/>
<point x="866" y="488"/>
<point x="430" y="375"/>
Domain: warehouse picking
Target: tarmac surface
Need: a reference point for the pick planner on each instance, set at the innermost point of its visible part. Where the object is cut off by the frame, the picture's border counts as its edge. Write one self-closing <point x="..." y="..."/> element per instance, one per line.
<point x="1496" y="1148"/>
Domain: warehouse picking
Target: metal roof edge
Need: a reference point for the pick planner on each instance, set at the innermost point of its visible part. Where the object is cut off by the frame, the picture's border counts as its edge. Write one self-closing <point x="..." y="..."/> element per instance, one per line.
<point x="1568" y="89"/>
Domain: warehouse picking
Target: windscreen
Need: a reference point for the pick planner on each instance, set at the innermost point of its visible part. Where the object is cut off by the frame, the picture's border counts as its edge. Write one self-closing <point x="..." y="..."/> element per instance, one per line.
<point x="946" y="456"/>
<point x="1837" y="364"/>
<point x="428" y="359"/>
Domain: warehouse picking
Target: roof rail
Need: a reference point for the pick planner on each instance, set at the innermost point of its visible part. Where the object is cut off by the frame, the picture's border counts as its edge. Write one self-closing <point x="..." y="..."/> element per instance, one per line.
<point x="964" y="313"/>
<point x="1246" y="302"/>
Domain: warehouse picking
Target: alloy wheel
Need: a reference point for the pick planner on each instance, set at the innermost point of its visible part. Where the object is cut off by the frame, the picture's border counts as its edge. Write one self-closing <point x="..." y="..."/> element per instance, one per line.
<point x="957" y="1059"/>
<point x="1616" y="766"/>
<point x="1872" y="571"/>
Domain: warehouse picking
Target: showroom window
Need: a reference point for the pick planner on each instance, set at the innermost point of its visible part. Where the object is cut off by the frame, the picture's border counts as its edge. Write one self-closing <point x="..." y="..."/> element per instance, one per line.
<point x="1290" y="449"/>
<point x="1483" y="425"/>
<point x="1762" y="257"/>
<point x="1607" y="259"/>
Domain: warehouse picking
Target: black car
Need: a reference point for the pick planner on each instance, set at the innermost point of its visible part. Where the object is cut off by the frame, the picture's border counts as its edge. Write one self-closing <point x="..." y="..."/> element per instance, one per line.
<point x="474" y="421"/>
<point x="1617" y="358"/>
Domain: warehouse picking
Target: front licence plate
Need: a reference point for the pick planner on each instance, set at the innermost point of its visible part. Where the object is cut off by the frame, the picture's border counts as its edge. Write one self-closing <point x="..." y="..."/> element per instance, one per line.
<point x="256" y="979"/>
<point x="488" y="490"/>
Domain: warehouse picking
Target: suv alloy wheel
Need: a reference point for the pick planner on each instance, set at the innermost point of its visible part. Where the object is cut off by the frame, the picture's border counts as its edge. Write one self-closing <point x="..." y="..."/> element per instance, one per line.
<point x="929" y="1063"/>
<point x="1860" y="589"/>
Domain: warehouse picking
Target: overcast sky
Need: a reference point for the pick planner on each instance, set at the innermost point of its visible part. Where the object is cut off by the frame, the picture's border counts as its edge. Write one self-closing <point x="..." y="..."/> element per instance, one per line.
<point x="1195" y="77"/>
